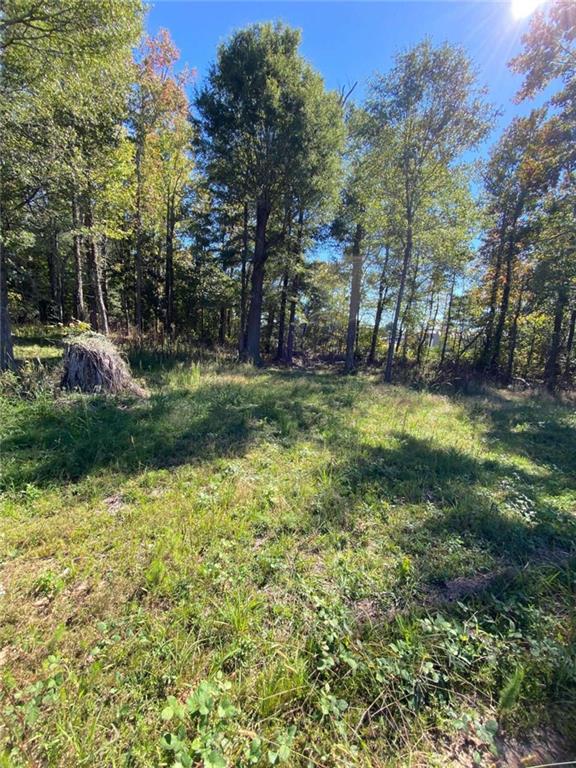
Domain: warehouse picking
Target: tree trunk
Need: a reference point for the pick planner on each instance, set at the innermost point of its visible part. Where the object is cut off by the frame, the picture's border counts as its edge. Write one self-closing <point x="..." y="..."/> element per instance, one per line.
<point x="139" y="235"/>
<point x="376" y="328"/>
<point x="222" y="326"/>
<point x="6" y="347"/>
<point x="552" y="368"/>
<point x="405" y="348"/>
<point x="459" y="344"/>
<point x="99" y="316"/>
<point x="399" y="339"/>
<point x="292" y="321"/>
<point x="251" y="352"/>
<point x="55" y="271"/>
<point x="354" y="298"/>
<point x="102" y="266"/>
<point x="125" y="308"/>
<point x="448" y="321"/>
<point x="514" y="335"/>
<point x="570" y="343"/>
<point x="52" y="279"/>
<point x="382" y="295"/>
<point x="433" y="328"/>
<point x="295" y="287"/>
<point x="243" y="283"/>
<point x="530" y="354"/>
<point x="425" y="332"/>
<point x="169" y="276"/>
<point x="282" y="317"/>
<point x="269" y="329"/>
<point x="504" y="305"/>
<point x="505" y="302"/>
<point x="487" y="350"/>
<point x="394" y="329"/>
<point x="79" y="302"/>
<point x="405" y="322"/>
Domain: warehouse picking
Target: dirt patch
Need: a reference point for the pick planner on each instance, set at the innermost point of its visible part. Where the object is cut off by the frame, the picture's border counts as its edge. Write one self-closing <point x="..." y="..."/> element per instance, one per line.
<point x="538" y="748"/>
<point x="367" y="611"/>
<point x="462" y="587"/>
<point x="114" y="503"/>
<point x="370" y="611"/>
<point x="7" y="655"/>
<point x="466" y="586"/>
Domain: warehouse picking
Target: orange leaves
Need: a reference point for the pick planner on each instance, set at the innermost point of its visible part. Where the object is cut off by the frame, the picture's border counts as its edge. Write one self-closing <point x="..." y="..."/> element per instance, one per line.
<point x="157" y="73"/>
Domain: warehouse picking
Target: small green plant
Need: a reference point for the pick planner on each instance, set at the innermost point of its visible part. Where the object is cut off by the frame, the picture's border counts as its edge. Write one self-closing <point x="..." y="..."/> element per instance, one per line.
<point x="207" y="731"/>
<point x="282" y="750"/>
<point x="156" y="574"/>
<point x="405" y="568"/>
<point x="332" y="708"/>
<point x="207" y="712"/>
<point x="481" y="733"/>
<point x="22" y="709"/>
<point x="78" y="326"/>
<point x="48" y="584"/>
<point x="332" y="641"/>
<point x="511" y="690"/>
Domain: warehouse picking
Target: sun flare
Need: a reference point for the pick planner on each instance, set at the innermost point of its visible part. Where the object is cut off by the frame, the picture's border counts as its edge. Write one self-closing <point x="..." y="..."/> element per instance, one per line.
<point x="523" y="8"/>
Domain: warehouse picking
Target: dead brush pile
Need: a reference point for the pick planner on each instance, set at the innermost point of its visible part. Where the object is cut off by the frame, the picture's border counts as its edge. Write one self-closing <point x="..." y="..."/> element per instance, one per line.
<point x="93" y="364"/>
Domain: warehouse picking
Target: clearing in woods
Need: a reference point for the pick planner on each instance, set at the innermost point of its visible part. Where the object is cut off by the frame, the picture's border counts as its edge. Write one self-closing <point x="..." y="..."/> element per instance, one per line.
<point x="266" y="567"/>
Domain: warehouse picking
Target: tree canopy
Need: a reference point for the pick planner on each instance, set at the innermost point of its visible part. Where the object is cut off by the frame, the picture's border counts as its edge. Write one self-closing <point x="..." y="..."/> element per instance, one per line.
<point x="257" y="210"/>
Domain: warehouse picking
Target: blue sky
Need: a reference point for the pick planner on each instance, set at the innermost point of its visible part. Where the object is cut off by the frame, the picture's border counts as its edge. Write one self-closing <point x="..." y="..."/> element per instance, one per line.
<point x="349" y="41"/>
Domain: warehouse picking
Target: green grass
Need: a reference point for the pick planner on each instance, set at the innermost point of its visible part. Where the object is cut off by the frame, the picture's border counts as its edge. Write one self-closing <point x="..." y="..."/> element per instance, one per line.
<point x="42" y="345"/>
<point x="263" y="568"/>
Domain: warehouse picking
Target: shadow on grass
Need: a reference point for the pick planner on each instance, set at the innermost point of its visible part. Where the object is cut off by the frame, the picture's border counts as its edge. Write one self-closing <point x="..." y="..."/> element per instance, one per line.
<point x="539" y="431"/>
<point x="532" y="426"/>
<point x="37" y="341"/>
<point x="457" y="493"/>
<point x="155" y="365"/>
<point x="488" y="502"/>
<point x="52" y="443"/>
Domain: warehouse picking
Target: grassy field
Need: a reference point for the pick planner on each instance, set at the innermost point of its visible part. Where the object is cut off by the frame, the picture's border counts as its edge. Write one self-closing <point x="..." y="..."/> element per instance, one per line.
<point x="275" y="567"/>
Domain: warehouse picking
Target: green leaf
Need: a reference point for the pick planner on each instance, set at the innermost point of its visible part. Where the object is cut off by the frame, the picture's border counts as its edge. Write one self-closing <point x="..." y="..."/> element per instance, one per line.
<point x="491" y="726"/>
<point x="226" y="709"/>
<point x="214" y="760"/>
<point x="167" y="713"/>
<point x="283" y="753"/>
<point x="255" y="751"/>
<point x="511" y="690"/>
<point x="171" y="742"/>
<point x="185" y="759"/>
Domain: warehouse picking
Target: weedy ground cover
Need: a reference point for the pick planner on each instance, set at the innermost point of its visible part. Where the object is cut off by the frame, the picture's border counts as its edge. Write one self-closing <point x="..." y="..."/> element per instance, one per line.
<point x="256" y="568"/>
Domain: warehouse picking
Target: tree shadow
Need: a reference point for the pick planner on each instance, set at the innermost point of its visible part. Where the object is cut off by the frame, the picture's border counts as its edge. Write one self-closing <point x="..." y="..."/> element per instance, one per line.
<point x="53" y="342"/>
<point x="543" y="432"/>
<point x="457" y="492"/>
<point x="53" y="444"/>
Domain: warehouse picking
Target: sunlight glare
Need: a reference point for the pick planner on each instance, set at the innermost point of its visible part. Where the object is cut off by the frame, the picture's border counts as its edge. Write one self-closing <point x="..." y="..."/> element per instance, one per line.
<point x="523" y="8"/>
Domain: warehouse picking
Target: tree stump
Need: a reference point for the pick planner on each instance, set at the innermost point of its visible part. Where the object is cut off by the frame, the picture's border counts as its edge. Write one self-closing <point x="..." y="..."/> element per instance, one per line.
<point x="93" y="364"/>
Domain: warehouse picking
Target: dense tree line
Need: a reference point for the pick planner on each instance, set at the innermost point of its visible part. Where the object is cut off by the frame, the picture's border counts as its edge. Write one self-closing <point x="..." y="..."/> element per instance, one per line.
<point x="267" y="214"/>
